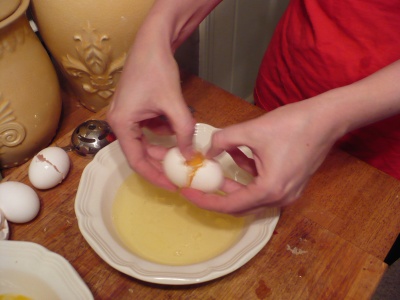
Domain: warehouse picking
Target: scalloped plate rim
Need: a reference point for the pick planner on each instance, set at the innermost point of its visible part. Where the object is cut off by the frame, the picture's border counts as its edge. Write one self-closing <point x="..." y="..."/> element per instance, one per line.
<point x="91" y="229"/>
<point x="53" y="269"/>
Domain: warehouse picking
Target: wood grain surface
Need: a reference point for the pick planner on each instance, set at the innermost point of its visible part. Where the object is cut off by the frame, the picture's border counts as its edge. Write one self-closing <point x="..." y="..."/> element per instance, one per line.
<point x="328" y="245"/>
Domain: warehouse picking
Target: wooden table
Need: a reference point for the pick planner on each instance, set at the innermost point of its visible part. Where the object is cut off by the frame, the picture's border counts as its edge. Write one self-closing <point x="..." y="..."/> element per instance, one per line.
<point x="342" y="227"/>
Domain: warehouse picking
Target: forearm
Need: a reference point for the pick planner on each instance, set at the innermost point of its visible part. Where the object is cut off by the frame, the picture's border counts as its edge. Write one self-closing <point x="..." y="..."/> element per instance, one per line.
<point x="369" y="100"/>
<point x="172" y="21"/>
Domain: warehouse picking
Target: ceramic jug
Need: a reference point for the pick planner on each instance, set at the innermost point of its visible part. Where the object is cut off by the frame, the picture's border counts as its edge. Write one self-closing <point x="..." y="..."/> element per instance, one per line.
<point x="30" y="99"/>
<point x="89" y="41"/>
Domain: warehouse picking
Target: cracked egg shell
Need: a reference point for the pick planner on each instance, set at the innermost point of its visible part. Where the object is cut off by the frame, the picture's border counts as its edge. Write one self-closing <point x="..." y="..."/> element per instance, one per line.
<point x="48" y="168"/>
<point x="200" y="173"/>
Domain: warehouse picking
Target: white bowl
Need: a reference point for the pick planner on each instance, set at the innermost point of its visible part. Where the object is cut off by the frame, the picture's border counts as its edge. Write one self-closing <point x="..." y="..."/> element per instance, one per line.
<point x="93" y="207"/>
<point x="31" y="270"/>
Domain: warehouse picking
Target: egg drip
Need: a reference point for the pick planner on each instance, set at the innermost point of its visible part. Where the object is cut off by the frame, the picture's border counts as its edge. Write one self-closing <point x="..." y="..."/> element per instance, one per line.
<point x="195" y="163"/>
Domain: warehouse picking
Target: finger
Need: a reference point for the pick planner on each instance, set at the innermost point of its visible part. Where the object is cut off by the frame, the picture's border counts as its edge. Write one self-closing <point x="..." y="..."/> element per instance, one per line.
<point x="183" y="124"/>
<point x="156" y="152"/>
<point x="230" y="186"/>
<point x="243" y="161"/>
<point x="139" y="159"/>
<point x="161" y="125"/>
<point x="156" y="163"/>
<point x="226" y="139"/>
<point x="236" y="202"/>
<point x="158" y="125"/>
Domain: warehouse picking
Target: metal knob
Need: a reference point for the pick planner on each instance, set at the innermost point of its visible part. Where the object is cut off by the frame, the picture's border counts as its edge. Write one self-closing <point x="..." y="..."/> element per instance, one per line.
<point x="91" y="136"/>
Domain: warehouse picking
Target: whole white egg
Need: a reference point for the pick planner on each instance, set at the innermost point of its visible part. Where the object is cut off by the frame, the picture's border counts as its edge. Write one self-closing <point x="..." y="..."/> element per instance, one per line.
<point x="48" y="168"/>
<point x="18" y="201"/>
<point x="204" y="175"/>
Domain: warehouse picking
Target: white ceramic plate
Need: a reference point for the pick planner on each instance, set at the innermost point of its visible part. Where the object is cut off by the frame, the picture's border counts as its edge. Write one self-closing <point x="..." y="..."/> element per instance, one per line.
<point x="31" y="270"/>
<point x="93" y="206"/>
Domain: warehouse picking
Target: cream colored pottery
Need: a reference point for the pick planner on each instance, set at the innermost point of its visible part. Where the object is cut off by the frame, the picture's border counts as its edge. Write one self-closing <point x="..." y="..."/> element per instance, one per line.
<point x="89" y="40"/>
<point x="30" y="100"/>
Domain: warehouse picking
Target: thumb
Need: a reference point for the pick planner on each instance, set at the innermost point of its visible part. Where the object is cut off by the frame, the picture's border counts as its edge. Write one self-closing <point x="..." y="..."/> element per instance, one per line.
<point x="183" y="124"/>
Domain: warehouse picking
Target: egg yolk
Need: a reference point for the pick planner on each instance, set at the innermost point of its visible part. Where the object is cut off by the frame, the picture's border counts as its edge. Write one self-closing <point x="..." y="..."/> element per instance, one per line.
<point x="195" y="163"/>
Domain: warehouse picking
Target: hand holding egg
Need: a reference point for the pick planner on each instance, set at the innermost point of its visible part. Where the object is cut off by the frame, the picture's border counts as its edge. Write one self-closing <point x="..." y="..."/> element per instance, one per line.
<point x="197" y="173"/>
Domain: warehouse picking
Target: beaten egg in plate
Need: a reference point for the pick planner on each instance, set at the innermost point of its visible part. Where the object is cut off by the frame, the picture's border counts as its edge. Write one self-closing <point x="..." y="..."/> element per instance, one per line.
<point x="164" y="227"/>
<point x="157" y="236"/>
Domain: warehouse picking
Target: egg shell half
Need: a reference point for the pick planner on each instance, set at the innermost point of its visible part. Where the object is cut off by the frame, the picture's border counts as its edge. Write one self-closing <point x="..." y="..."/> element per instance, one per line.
<point x="4" y="229"/>
<point x="18" y="201"/>
<point x="207" y="178"/>
<point x="49" y="168"/>
<point x="175" y="168"/>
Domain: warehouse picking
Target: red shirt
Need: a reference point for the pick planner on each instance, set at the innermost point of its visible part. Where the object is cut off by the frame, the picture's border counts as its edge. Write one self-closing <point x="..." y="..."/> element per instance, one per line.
<point x="319" y="45"/>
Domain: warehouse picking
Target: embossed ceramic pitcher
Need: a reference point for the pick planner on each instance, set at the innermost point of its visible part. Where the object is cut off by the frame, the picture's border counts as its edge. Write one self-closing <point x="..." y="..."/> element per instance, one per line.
<point x="89" y="40"/>
<point x="30" y="101"/>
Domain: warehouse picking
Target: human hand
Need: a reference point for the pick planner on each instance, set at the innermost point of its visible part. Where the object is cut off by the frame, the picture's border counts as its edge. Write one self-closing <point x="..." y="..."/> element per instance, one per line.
<point x="150" y="87"/>
<point x="288" y="145"/>
<point x="149" y="95"/>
